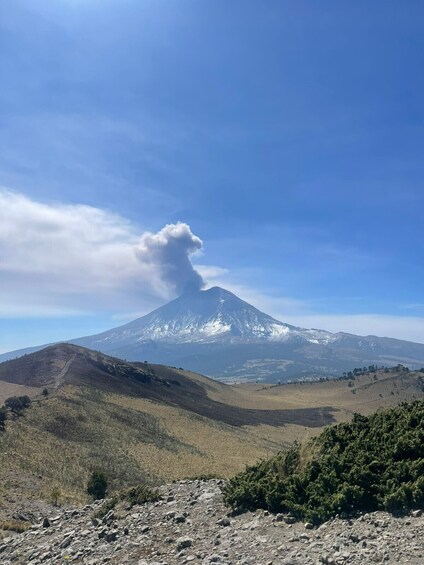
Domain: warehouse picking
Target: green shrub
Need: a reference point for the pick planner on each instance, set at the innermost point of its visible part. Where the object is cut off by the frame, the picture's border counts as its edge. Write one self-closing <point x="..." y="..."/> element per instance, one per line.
<point x="368" y="464"/>
<point x="107" y="505"/>
<point x="139" y="494"/>
<point x="97" y="485"/>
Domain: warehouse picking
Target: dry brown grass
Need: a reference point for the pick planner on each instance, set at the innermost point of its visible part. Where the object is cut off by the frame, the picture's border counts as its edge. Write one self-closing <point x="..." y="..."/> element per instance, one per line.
<point x="59" y="440"/>
<point x="283" y="437"/>
<point x="212" y="447"/>
<point x="50" y="452"/>
<point x="14" y="526"/>
<point x="10" y="389"/>
<point x="367" y="394"/>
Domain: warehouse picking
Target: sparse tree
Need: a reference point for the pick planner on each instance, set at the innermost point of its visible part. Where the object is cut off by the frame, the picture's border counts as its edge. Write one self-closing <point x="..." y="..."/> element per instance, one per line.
<point x="17" y="404"/>
<point x="25" y="400"/>
<point x="14" y="404"/>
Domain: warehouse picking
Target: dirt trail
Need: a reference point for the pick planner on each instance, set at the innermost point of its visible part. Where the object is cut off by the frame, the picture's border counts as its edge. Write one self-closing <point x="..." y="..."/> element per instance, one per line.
<point x="60" y="377"/>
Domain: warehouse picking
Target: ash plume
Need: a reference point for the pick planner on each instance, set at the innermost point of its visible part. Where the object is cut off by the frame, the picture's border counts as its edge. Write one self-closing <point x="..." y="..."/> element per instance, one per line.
<point x="169" y="251"/>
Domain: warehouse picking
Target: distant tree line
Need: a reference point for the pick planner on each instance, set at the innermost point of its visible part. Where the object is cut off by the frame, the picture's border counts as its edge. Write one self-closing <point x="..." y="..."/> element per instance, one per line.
<point x="346" y="375"/>
<point x="360" y="371"/>
<point x="357" y="371"/>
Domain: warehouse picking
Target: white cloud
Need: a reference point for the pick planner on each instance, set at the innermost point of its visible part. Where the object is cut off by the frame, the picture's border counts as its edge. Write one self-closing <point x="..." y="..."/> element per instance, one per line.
<point x="409" y="328"/>
<point x="63" y="258"/>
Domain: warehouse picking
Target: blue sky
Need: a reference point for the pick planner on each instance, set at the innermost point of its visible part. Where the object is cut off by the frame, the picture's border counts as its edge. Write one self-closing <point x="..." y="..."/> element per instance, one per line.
<point x="288" y="136"/>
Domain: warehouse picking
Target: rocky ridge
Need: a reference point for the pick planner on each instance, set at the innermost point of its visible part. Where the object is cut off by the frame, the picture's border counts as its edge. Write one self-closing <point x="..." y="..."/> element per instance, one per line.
<point x="190" y="524"/>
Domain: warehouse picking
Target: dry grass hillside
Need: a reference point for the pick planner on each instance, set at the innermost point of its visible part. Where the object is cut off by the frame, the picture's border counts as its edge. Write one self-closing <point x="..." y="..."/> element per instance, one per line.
<point x="363" y="394"/>
<point x="141" y="422"/>
<point x="9" y="389"/>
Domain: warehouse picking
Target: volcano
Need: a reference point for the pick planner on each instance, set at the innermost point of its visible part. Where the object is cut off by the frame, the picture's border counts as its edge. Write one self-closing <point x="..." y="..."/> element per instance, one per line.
<point x="216" y="333"/>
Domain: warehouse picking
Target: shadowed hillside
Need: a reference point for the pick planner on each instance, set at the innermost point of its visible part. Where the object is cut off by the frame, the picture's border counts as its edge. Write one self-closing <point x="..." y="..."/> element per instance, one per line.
<point x="137" y="422"/>
<point x="66" y="364"/>
<point x="143" y="422"/>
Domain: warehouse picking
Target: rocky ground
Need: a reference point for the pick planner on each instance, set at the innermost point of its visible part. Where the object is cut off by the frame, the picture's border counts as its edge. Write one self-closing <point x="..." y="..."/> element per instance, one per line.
<point x="190" y="524"/>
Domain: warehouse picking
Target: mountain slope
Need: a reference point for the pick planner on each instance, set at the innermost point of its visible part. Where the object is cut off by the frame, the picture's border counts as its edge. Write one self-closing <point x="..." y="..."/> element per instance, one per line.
<point x="199" y="317"/>
<point x="137" y="422"/>
<point x="143" y="422"/>
<point x="216" y="333"/>
<point x="65" y="364"/>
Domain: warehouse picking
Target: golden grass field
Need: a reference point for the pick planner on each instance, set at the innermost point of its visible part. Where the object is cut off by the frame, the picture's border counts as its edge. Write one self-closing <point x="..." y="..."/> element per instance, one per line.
<point x="366" y="394"/>
<point x="215" y="448"/>
<point x="51" y="450"/>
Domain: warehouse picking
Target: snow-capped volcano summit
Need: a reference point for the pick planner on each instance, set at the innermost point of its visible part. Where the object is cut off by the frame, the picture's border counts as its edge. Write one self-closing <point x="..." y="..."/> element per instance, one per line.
<point x="204" y="316"/>
<point x="207" y="315"/>
<point x="216" y="333"/>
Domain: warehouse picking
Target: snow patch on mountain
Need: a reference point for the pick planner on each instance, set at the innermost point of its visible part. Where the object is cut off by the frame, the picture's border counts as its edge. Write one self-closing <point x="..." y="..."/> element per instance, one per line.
<point x="208" y="316"/>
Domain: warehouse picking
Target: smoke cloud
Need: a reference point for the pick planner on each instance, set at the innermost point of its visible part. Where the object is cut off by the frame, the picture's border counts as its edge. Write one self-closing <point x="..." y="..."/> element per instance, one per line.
<point x="169" y="252"/>
<point x="58" y="258"/>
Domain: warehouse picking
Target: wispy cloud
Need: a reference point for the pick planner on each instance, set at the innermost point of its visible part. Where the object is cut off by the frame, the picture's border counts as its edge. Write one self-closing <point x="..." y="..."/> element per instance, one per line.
<point x="58" y="258"/>
<point x="416" y="306"/>
<point x="61" y="260"/>
<point x="84" y="155"/>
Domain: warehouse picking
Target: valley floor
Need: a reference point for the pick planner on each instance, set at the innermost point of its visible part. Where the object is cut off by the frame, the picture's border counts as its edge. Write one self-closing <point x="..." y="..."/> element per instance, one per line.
<point x="190" y="525"/>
